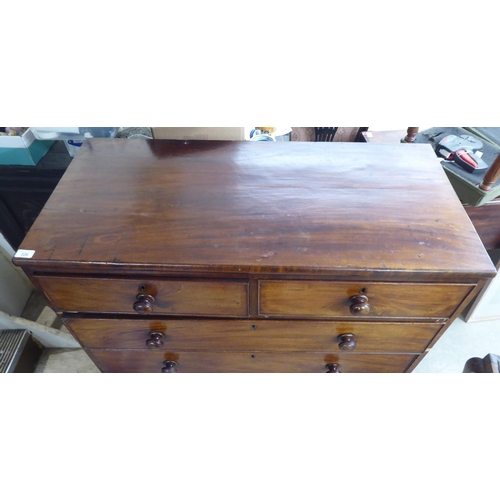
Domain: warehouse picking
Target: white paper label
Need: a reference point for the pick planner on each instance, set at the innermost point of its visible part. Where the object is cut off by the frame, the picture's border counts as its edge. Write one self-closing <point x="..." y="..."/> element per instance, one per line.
<point x="25" y="254"/>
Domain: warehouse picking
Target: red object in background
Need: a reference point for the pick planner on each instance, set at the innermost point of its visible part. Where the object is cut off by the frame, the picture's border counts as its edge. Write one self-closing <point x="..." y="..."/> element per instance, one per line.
<point x="464" y="156"/>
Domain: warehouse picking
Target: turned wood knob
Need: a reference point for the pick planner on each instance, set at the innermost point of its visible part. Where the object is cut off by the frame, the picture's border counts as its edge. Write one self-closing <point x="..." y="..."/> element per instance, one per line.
<point x="155" y="340"/>
<point x="358" y="304"/>
<point x="170" y="367"/>
<point x="332" y="368"/>
<point x="411" y="133"/>
<point x="347" y="342"/>
<point x="144" y="304"/>
<point x="491" y="176"/>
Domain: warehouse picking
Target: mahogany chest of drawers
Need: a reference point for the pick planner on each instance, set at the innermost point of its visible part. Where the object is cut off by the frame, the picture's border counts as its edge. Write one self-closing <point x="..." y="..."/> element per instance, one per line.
<point x="194" y="256"/>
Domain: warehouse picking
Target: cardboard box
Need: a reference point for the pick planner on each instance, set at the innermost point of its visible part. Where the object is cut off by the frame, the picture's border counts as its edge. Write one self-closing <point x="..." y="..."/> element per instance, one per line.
<point x="200" y="133"/>
<point x="23" y="150"/>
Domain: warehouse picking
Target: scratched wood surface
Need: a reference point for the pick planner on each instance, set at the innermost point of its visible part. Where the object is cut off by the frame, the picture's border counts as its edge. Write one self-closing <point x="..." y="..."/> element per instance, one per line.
<point x="136" y="361"/>
<point x="486" y="220"/>
<point x="218" y="298"/>
<point x="330" y="299"/>
<point x="252" y="335"/>
<point x="254" y="207"/>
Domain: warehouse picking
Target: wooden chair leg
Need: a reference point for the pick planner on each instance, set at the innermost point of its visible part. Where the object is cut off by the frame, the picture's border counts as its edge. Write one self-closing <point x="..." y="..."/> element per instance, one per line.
<point x="410" y="134"/>
<point x="491" y="176"/>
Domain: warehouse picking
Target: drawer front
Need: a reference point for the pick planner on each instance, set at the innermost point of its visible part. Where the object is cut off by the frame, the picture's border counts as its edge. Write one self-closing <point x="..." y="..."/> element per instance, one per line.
<point x="132" y="361"/>
<point x="246" y="335"/>
<point x="343" y="299"/>
<point x="211" y="298"/>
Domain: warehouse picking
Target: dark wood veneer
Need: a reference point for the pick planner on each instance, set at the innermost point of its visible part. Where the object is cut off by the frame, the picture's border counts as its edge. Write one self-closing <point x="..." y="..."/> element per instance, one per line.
<point x="253" y="335"/>
<point x="265" y="362"/>
<point x="168" y="256"/>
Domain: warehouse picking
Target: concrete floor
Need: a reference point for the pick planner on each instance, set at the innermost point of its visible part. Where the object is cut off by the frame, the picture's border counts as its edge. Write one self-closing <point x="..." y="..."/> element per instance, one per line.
<point x="65" y="361"/>
<point x="459" y="343"/>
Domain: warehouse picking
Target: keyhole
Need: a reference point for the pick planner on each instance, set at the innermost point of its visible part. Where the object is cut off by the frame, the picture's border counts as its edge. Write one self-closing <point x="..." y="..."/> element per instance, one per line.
<point x="253" y="356"/>
<point x="254" y="327"/>
<point x="142" y="288"/>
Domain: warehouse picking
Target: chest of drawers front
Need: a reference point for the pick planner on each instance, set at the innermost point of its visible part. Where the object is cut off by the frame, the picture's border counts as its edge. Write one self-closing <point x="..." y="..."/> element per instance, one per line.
<point x="206" y="326"/>
<point x="240" y="257"/>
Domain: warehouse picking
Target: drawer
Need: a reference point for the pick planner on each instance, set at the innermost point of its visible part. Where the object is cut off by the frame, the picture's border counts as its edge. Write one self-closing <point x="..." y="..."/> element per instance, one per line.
<point x="333" y="299"/>
<point x="259" y="335"/>
<point x="176" y="297"/>
<point x="117" y="361"/>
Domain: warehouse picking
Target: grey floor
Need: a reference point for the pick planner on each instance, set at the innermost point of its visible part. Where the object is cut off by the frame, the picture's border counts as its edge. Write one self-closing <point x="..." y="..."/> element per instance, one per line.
<point x="65" y="361"/>
<point x="459" y="343"/>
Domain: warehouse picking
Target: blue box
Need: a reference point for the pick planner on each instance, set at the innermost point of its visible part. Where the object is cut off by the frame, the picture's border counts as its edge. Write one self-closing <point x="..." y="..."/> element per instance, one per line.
<point x="23" y="150"/>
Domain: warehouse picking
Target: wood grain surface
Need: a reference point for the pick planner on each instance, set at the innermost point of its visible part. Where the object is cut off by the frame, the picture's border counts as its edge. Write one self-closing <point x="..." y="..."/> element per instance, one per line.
<point x="259" y="335"/>
<point x="486" y="220"/>
<point x="181" y="297"/>
<point x="134" y="361"/>
<point x="255" y="207"/>
<point x="331" y="299"/>
<point x="196" y="234"/>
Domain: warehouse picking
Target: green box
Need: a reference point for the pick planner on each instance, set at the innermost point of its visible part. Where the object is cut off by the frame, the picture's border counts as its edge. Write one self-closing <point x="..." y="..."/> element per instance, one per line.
<point x="23" y="150"/>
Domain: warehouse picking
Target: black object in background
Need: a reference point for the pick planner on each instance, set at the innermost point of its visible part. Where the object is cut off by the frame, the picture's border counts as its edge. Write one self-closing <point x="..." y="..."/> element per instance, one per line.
<point x="25" y="190"/>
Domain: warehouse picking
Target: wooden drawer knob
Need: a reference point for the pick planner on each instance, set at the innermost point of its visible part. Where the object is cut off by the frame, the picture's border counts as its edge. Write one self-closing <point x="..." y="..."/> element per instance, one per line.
<point x="347" y="342"/>
<point x="155" y="340"/>
<point x="358" y="305"/>
<point x="332" y="368"/>
<point x="144" y="304"/>
<point x="170" y="367"/>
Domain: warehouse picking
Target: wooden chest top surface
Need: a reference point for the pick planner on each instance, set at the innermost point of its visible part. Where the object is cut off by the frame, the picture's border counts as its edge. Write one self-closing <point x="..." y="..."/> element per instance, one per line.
<point x="256" y="207"/>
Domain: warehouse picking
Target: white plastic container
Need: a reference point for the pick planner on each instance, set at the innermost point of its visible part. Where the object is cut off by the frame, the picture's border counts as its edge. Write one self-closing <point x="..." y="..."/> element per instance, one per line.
<point x="72" y="133"/>
<point x="73" y="137"/>
<point x="73" y="146"/>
